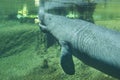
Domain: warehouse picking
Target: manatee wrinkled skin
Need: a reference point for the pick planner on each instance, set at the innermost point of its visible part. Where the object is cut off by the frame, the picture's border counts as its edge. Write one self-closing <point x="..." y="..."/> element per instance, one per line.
<point x="95" y="46"/>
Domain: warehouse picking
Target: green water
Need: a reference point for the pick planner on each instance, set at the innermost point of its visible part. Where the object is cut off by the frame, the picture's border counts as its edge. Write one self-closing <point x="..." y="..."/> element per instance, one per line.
<point x="23" y="55"/>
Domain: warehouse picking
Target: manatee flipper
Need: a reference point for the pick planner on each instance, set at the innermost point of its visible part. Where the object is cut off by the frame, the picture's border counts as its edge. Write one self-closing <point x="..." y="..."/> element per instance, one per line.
<point x="66" y="58"/>
<point x="43" y="28"/>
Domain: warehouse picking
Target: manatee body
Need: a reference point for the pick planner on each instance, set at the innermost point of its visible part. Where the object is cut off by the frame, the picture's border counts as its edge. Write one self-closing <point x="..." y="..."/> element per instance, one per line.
<point x="95" y="46"/>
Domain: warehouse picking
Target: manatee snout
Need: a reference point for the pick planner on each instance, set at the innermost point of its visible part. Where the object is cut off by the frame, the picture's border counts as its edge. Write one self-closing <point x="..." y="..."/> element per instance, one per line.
<point x="45" y="21"/>
<point x="41" y="15"/>
<point x="42" y="25"/>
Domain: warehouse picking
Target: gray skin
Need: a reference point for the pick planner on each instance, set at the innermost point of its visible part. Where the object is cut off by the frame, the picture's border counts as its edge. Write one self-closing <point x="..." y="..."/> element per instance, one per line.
<point x="94" y="45"/>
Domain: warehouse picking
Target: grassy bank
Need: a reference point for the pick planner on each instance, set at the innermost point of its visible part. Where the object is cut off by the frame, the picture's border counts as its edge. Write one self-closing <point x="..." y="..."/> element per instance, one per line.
<point x="23" y="56"/>
<point x="18" y="44"/>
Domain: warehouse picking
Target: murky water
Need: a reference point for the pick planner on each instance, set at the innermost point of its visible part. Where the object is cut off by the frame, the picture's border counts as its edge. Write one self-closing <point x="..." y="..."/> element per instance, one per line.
<point x="26" y="53"/>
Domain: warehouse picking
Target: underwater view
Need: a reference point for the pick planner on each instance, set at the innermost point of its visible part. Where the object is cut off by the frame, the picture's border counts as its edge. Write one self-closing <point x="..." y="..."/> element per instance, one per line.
<point x="60" y="40"/>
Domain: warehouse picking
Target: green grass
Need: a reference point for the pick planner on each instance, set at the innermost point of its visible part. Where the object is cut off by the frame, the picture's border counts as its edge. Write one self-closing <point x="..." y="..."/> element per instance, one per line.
<point x="22" y="55"/>
<point x="18" y="44"/>
<point x="15" y="36"/>
<point x="111" y="24"/>
<point x="111" y="11"/>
